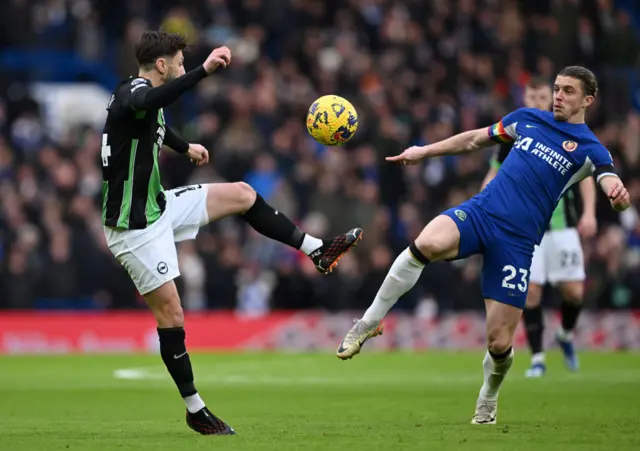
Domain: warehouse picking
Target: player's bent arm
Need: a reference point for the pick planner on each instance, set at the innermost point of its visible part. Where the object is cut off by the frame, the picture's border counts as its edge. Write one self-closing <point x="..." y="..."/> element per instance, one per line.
<point x="615" y="191"/>
<point x="461" y="143"/>
<point x="147" y="98"/>
<point x="174" y="141"/>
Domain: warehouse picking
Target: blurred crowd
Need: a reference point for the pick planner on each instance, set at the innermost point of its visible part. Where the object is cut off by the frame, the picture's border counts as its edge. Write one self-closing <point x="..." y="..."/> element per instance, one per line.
<point x="417" y="71"/>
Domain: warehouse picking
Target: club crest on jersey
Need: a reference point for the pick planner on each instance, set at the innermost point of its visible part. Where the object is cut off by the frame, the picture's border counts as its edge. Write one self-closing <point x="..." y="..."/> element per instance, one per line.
<point x="162" y="268"/>
<point x="569" y="146"/>
<point x="461" y="215"/>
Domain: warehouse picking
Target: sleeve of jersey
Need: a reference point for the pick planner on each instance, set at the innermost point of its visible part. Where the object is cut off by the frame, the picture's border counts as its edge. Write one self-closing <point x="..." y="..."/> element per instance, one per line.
<point x="603" y="164"/>
<point x="147" y="98"/>
<point x="505" y="130"/>
<point x="174" y="141"/>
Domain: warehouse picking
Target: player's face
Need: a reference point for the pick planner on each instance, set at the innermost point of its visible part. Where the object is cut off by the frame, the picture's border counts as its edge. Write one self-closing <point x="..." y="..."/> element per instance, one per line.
<point x="174" y="67"/>
<point x="568" y="98"/>
<point x="540" y="98"/>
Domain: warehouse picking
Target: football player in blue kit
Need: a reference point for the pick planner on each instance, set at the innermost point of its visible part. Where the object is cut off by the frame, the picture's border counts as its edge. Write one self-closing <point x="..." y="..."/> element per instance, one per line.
<point x="559" y="259"/>
<point x="551" y="152"/>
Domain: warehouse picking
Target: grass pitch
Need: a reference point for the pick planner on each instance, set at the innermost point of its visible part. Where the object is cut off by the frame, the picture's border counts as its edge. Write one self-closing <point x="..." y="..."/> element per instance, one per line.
<point x="316" y="402"/>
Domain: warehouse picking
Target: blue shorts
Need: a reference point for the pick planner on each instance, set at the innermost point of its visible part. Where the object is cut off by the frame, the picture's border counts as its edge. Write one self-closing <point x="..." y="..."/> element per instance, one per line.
<point x="506" y="256"/>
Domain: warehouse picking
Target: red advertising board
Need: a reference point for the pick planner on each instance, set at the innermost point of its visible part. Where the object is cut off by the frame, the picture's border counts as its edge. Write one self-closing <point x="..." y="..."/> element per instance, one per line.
<point x="25" y="333"/>
<point x="127" y="332"/>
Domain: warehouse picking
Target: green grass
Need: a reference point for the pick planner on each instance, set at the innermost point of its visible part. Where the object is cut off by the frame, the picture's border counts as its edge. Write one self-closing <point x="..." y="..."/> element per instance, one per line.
<point x="316" y="402"/>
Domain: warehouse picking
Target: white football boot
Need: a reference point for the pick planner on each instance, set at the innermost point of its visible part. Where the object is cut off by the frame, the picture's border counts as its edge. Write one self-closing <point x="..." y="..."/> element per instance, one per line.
<point x="486" y="412"/>
<point x="356" y="337"/>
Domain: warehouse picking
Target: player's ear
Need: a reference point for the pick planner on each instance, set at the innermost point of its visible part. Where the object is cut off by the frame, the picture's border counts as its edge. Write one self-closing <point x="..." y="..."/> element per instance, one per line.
<point x="161" y="65"/>
<point x="588" y="101"/>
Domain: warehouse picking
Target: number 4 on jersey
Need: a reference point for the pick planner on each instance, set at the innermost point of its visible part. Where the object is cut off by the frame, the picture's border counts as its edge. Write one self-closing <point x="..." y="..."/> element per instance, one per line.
<point x="523" y="143"/>
<point x="105" y="152"/>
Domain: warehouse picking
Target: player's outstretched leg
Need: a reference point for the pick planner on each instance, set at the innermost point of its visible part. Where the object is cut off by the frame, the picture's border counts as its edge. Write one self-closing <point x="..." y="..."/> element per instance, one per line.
<point x="224" y="199"/>
<point x="165" y="304"/>
<point x="534" y="324"/>
<point x="439" y="240"/>
<point x="502" y="320"/>
<point x="572" y="294"/>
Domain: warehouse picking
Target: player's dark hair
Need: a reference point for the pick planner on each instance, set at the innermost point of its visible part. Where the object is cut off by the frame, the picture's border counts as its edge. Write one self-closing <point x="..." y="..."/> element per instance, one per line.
<point x="587" y="78"/>
<point x="154" y="44"/>
<point x="537" y="82"/>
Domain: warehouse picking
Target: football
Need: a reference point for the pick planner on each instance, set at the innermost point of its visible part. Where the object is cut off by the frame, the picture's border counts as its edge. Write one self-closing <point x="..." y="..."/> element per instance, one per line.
<point x="332" y="120"/>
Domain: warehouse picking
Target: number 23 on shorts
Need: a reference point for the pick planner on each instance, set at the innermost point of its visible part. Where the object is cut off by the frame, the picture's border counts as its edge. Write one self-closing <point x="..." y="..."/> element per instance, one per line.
<point x="510" y="274"/>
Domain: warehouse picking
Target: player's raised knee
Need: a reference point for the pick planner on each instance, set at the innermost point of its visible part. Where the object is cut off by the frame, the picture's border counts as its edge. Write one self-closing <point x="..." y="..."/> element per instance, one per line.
<point x="244" y="195"/>
<point x="247" y="194"/>
<point x="439" y="240"/>
<point x="427" y="247"/>
<point x="432" y="248"/>
<point x="224" y="199"/>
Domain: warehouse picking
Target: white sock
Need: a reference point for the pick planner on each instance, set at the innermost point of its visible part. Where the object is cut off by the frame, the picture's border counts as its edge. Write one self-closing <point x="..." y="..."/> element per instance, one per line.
<point x="494" y="373"/>
<point x="194" y="403"/>
<point x="402" y="276"/>
<point x="310" y="244"/>
<point x="538" y="357"/>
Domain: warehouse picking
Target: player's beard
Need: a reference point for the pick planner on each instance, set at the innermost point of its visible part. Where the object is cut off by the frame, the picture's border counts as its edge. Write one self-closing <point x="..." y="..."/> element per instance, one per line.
<point x="559" y="116"/>
<point x="568" y="112"/>
<point x="171" y="75"/>
<point x="563" y="115"/>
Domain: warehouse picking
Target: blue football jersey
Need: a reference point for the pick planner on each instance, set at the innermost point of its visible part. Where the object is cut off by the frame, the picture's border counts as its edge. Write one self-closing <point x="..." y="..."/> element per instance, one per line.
<point x="547" y="157"/>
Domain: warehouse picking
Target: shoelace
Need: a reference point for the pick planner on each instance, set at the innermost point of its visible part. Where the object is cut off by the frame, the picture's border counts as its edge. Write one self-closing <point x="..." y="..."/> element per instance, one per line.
<point x="484" y="411"/>
<point x="355" y="333"/>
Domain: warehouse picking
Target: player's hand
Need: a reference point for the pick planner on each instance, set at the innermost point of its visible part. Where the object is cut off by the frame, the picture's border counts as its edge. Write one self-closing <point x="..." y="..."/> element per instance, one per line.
<point x="619" y="196"/>
<point x="198" y="154"/>
<point x="413" y="155"/>
<point x="587" y="226"/>
<point x="219" y="57"/>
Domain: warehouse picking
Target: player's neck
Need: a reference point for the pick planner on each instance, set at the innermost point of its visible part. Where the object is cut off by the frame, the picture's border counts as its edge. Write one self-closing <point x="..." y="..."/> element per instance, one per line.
<point x="153" y="76"/>
<point x="577" y="119"/>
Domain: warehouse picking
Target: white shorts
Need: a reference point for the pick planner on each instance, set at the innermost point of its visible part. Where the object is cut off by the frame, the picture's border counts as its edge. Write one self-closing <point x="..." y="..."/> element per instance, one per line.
<point x="149" y="255"/>
<point x="558" y="258"/>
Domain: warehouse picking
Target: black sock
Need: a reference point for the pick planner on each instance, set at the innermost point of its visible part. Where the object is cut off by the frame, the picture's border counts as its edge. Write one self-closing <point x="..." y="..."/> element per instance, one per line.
<point x="534" y="325"/>
<point x="271" y="223"/>
<point x="175" y="357"/>
<point x="570" y="313"/>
